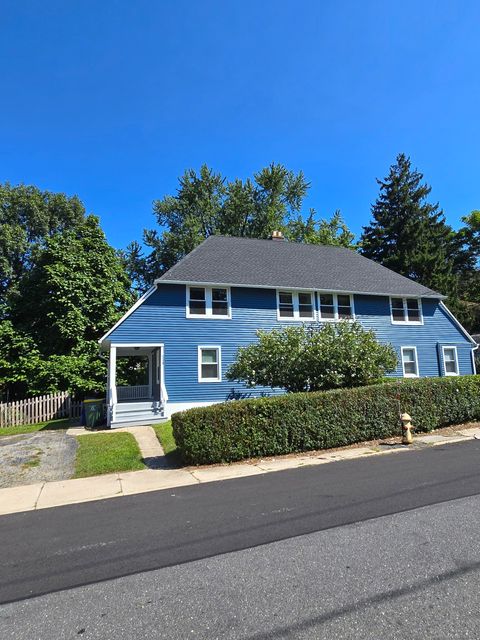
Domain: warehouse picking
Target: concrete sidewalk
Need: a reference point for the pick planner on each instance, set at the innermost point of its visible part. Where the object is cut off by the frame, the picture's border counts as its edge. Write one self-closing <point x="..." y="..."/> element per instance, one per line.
<point x="54" y="494"/>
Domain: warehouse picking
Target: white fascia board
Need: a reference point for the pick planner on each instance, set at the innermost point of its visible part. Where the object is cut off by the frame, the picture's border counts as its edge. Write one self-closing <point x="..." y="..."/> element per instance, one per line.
<point x="457" y="322"/>
<point x="140" y="301"/>
<point x="190" y="283"/>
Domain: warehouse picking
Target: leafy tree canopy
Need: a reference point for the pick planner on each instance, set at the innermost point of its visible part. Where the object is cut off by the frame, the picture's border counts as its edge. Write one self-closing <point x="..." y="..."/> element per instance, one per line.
<point x="312" y="358"/>
<point x="206" y="203"/>
<point x="332" y="232"/>
<point x="20" y="362"/>
<point x="74" y="292"/>
<point x="61" y="287"/>
<point x="28" y="216"/>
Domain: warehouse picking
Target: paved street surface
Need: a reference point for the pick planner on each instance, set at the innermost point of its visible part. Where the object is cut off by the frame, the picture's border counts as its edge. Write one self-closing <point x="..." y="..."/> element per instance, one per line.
<point x="376" y="548"/>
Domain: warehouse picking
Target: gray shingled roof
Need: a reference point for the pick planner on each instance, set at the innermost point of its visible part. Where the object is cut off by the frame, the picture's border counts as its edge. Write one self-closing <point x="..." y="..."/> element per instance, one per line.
<point x="281" y="264"/>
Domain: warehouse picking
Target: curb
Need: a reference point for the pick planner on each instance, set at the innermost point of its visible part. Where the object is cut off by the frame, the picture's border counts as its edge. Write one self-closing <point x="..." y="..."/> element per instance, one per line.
<point x="60" y="493"/>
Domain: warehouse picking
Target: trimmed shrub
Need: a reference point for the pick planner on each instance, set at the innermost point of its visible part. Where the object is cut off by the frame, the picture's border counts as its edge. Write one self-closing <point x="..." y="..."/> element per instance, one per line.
<point x="321" y="420"/>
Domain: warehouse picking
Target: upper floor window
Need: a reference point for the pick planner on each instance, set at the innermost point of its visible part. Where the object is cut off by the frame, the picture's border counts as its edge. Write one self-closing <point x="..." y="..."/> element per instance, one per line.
<point x="208" y="302"/>
<point x="406" y="310"/>
<point x="450" y="361"/>
<point x="336" y="306"/>
<point x="293" y="305"/>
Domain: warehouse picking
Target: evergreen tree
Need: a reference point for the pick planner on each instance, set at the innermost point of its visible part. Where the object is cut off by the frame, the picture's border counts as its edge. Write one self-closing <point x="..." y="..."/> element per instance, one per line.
<point x="409" y="234"/>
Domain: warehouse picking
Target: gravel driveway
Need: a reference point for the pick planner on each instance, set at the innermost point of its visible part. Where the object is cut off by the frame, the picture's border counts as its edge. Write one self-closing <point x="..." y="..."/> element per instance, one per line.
<point x="36" y="457"/>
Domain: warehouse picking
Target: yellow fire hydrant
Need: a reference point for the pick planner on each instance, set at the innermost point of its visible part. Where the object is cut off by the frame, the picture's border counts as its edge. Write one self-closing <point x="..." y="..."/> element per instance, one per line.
<point x="407" y="428"/>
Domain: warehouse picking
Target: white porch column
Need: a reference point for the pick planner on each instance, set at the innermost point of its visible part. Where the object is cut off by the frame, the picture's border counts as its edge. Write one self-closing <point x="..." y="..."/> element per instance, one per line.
<point x="112" y="384"/>
<point x="163" y="388"/>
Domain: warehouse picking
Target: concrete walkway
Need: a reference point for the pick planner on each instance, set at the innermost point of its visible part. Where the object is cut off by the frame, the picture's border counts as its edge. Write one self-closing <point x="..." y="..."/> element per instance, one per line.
<point x="54" y="494"/>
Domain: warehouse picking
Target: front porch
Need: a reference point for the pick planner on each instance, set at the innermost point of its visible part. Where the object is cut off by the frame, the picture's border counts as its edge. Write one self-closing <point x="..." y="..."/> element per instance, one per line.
<point x="136" y="392"/>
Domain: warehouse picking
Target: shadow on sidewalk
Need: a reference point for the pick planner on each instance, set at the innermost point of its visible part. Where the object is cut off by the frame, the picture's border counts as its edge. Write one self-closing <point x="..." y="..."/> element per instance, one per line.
<point x="168" y="461"/>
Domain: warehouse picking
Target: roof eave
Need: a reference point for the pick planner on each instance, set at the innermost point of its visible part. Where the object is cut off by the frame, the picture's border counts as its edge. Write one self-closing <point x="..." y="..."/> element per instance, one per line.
<point x="204" y="283"/>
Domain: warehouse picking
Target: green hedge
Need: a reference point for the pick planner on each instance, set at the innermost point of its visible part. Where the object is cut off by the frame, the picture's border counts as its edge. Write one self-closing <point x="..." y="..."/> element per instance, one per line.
<point x="322" y="420"/>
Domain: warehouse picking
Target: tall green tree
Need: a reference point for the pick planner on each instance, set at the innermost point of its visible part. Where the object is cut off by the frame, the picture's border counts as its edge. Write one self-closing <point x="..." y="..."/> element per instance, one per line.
<point x="62" y="286"/>
<point x="408" y="233"/>
<point x="206" y="203"/>
<point x="20" y="363"/>
<point x="74" y="292"/>
<point x="28" y="216"/>
<point x="468" y="238"/>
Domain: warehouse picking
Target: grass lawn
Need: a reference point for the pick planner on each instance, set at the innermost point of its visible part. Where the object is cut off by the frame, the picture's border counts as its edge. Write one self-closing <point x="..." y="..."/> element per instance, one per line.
<point x="100" y="453"/>
<point x="165" y="436"/>
<point x="41" y="426"/>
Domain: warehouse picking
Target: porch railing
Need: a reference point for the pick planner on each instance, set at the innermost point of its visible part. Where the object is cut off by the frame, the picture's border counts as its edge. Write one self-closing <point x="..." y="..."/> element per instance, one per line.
<point x="138" y="392"/>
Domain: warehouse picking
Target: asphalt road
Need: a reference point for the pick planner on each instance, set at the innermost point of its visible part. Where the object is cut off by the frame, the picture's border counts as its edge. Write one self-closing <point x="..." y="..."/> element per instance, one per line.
<point x="413" y="575"/>
<point x="196" y="569"/>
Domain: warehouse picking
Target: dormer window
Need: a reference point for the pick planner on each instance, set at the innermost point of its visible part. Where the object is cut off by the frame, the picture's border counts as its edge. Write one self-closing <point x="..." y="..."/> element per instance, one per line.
<point x="406" y="311"/>
<point x="208" y="302"/>
<point x="295" y="305"/>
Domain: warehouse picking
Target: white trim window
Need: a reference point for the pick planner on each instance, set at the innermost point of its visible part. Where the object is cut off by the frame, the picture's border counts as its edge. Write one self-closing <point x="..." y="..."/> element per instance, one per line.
<point x="336" y="306"/>
<point x="409" y="362"/>
<point x="450" y="361"/>
<point x="295" y="305"/>
<point x="209" y="302"/>
<point x="406" y="310"/>
<point x="209" y="363"/>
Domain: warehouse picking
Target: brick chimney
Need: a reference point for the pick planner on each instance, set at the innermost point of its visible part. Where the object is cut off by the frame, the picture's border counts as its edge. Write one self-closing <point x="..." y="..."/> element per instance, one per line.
<point x="277" y="235"/>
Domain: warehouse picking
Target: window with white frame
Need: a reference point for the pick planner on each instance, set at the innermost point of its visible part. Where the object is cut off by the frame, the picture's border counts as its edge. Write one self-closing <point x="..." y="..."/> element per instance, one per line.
<point x="336" y="306"/>
<point x="409" y="362"/>
<point x="406" y="310"/>
<point x="295" y="305"/>
<point x="450" y="361"/>
<point x="208" y="302"/>
<point x="209" y="364"/>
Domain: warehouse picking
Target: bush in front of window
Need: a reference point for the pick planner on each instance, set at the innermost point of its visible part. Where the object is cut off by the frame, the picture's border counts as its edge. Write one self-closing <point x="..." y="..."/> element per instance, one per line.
<point x="308" y="421"/>
<point x="314" y="358"/>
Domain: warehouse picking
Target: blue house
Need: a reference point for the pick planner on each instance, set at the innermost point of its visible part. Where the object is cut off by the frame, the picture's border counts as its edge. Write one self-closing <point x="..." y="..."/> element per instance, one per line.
<point x="189" y="325"/>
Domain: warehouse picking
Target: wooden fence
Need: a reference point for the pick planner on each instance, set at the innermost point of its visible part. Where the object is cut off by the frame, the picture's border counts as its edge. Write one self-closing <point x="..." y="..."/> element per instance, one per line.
<point x="39" y="409"/>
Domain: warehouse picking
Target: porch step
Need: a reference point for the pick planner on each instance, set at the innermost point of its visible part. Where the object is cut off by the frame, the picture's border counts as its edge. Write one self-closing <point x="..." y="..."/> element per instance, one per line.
<point x="138" y="421"/>
<point x="139" y="412"/>
<point x="144" y="405"/>
<point x="136" y="413"/>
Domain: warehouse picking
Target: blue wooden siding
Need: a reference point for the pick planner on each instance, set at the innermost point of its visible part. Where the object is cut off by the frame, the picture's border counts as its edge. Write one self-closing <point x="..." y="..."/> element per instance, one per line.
<point x="161" y="319"/>
<point x="438" y="330"/>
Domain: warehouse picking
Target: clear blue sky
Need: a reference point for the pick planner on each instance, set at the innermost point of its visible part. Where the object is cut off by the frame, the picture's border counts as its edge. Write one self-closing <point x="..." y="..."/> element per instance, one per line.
<point x="113" y="100"/>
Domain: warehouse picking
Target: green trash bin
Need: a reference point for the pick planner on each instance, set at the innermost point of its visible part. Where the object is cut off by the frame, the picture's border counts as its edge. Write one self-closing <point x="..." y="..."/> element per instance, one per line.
<point x="94" y="414"/>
